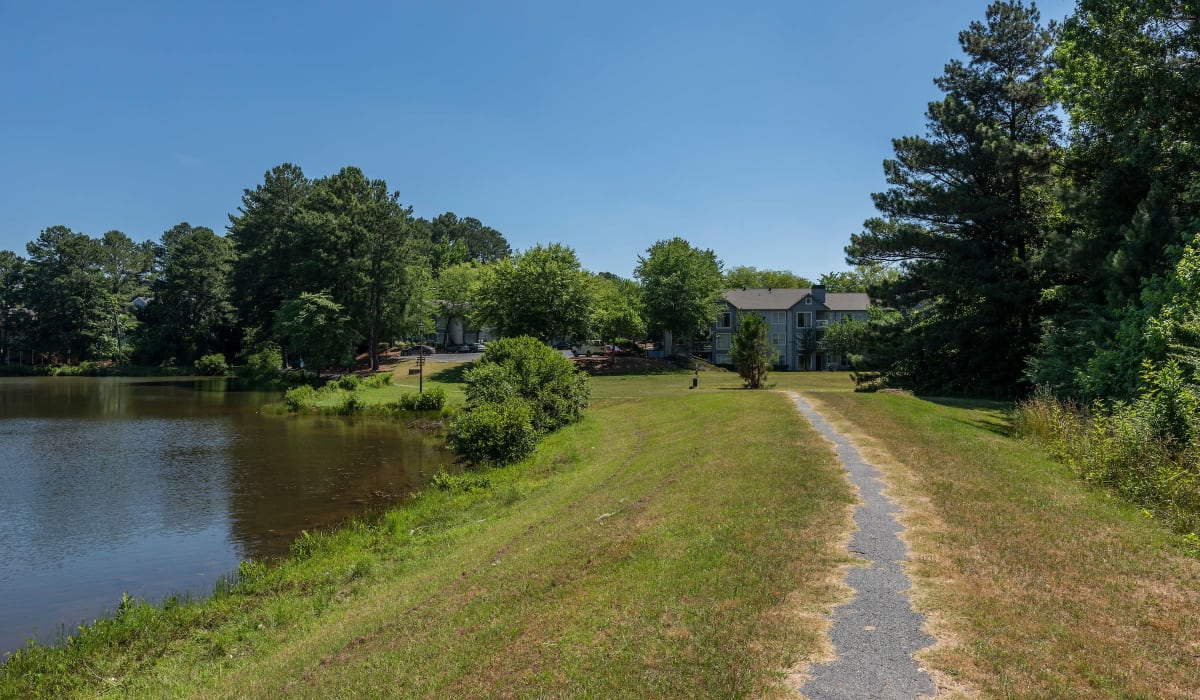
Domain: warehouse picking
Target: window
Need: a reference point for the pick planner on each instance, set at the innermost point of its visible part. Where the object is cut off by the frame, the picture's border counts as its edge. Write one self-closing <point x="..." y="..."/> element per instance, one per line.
<point x="777" y="340"/>
<point x="722" y="342"/>
<point x="724" y="319"/>
<point x="804" y="319"/>
<point x="808" y="301"/>
<point x="776" y="318"/>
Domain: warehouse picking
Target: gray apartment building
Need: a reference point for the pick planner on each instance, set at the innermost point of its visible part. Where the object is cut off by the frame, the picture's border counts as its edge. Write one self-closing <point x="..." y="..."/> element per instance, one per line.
<point x="797" y="319"/>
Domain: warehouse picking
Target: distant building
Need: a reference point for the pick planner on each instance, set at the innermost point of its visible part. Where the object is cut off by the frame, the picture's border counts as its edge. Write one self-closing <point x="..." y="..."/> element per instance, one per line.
<point x="797" y="319"/>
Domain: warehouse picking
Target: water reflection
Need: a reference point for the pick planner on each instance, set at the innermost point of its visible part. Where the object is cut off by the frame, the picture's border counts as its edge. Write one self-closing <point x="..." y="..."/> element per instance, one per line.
<point x="155" y="487"/>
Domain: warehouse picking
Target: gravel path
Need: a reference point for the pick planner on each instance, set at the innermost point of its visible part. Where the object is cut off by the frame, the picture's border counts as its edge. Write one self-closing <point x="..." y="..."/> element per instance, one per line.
<point x="876" y="634"/>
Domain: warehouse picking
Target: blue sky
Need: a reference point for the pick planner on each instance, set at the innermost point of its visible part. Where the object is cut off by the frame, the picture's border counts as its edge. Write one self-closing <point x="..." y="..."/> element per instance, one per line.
<point x="754" y="129"/>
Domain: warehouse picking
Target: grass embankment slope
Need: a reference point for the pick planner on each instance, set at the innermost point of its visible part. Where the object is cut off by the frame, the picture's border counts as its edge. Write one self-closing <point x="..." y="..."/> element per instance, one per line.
<point x="1037" y="584"/>
<point x="675" y="543"/>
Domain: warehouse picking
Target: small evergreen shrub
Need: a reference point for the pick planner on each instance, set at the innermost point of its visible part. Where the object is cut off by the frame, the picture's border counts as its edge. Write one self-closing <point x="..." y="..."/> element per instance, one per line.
<point x="213" y="365"/>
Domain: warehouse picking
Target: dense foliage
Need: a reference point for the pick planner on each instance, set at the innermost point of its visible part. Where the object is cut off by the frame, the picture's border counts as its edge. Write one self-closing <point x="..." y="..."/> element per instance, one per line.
<point x="542" y="292"/>
<point x="345" y="239"/>
<point x="968" y="212"/>
<point x="681" y="287"/>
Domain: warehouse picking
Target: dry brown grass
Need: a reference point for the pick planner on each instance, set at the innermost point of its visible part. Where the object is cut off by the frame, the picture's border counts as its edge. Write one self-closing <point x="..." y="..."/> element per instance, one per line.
<point x="1035" y="584"/>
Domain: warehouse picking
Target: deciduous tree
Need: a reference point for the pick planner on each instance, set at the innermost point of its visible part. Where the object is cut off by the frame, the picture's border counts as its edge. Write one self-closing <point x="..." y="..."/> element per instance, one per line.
<point x="681" y="287"/>
<point x="318" y="328"/>
<point x="541" y="292"/>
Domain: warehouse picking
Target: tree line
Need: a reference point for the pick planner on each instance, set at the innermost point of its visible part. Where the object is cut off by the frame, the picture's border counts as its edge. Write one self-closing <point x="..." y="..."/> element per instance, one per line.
<point x="325" y="267"/>
<point x="1033" y="252"/>
<point x="338" y="256"/>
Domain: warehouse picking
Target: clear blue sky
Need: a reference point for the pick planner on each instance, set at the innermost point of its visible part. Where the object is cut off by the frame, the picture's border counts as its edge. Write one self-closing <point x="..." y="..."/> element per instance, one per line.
<point x="754" y="129"/>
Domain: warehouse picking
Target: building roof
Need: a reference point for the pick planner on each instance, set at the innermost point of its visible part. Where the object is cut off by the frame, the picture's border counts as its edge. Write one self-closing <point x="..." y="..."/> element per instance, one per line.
<point x="847" y="301"/>
<point x="766" y="299"/>
<point x="784" y="299"/>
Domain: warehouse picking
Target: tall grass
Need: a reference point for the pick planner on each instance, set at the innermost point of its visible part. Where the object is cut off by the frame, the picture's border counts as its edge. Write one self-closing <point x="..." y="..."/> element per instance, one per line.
<point x="1124" y="446"/>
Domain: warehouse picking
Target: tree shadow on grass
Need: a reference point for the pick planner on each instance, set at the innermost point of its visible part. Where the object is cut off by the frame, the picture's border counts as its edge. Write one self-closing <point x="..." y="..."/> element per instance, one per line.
<point x="451" y="375"/>
<point x="992" y="416"/>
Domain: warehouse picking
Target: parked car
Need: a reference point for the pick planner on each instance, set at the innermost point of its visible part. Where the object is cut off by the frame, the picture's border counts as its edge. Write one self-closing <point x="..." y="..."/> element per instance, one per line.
<point x="562" y="345"/>
<point x="589" y="348"/>
<point x="478" y="347"/>
<point x="417" y="350"/>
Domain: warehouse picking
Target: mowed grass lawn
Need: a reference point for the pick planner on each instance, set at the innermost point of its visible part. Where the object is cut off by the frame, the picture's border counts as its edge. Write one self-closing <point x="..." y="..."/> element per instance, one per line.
<point x="1037" y="585"/>
<point x="675" y="543"/>
<point x="686" y="543"/>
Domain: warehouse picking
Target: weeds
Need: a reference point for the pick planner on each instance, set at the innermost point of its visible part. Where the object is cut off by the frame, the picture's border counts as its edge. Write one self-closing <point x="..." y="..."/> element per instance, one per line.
<point x="1142" y="450"/>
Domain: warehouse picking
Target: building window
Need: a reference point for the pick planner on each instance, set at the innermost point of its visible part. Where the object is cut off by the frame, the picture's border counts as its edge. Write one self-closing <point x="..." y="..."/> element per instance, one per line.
<point x="724" y="319"/>
<point x="777" y="340"/>
<point x="804" y="319"/>
<point x="722" y="341"/>
<point x="808" y="301"/>
<point x="777" y="318"/>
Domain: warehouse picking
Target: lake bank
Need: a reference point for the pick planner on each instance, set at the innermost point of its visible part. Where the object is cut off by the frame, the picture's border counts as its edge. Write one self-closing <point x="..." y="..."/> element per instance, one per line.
<point x="154" y="487"/>
<point x="624" y="527"/>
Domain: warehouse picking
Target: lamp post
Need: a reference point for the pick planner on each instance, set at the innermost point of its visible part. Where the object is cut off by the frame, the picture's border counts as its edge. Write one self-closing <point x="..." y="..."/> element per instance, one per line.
<point x="421" y="358"/>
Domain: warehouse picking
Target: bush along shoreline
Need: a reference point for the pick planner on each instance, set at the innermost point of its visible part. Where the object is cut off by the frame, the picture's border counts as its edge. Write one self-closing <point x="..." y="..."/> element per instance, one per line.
<point x="519" y="391"/>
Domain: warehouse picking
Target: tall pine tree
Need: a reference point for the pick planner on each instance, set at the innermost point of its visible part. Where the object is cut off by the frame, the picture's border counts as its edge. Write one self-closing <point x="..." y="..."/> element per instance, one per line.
<point x="968" y="213"/>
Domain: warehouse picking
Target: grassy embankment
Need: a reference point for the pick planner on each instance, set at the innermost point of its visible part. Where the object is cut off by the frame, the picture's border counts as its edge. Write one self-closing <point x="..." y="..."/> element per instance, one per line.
<point x="675" y="543"/>
<point x="683" y="543"/>
<point x="1038" y="584"/>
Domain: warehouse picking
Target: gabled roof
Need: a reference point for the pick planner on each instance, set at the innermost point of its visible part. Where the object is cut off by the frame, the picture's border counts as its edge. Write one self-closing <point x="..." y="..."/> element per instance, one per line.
<point x="784" y="299"/>
<point x="765" y="299"/>
<point x="847" y="301"/>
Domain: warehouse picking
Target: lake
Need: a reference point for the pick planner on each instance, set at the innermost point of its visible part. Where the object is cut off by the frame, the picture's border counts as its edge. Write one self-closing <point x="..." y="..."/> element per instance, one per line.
<point x="153" y="487"/>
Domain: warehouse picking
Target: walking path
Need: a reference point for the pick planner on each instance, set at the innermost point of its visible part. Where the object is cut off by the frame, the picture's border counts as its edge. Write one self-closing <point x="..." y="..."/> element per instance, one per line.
<point x="876" y="634"/>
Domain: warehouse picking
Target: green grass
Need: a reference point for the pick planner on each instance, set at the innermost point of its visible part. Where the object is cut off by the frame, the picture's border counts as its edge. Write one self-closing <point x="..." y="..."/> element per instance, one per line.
<point x="1038" y="584"/>
<point x="683" y="542"/>
<point x="675" y="543"/>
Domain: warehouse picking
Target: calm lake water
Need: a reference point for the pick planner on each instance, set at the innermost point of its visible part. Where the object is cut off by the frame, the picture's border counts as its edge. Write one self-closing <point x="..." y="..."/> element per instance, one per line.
<point x="156" y="487"/>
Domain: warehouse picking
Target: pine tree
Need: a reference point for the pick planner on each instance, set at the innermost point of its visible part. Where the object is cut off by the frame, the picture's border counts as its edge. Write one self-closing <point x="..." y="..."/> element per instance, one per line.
<point x="968" y="212"/>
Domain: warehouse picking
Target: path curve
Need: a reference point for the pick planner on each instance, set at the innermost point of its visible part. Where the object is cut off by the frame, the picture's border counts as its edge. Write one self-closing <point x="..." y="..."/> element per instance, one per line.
<point x="876" y="634"/>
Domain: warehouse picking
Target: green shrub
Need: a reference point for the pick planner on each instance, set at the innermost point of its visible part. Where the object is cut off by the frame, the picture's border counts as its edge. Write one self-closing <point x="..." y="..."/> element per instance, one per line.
<point x="378" y="381"/>
<point x="348" y="382"/>
<point x="212" y="365"/>
<point x="351" y="404"/>
<point x="265" y="362"/>
<point x="83" y="369"/>
<point x="525" y="367"/>
<point x="1131" y="448"/>
<point x="432" y="399"/>
<point x="299" y="398"/>
<point x="466" y="483"/>
<point x="500" y="433"/>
